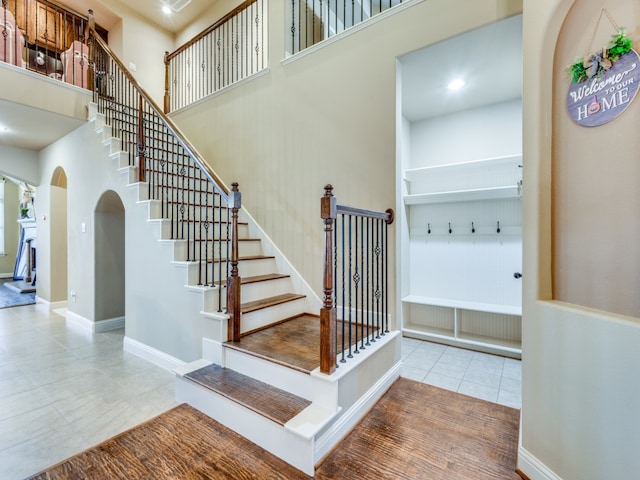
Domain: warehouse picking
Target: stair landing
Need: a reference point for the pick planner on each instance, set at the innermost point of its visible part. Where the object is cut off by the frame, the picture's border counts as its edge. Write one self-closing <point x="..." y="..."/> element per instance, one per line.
<point x="294" y="343"/>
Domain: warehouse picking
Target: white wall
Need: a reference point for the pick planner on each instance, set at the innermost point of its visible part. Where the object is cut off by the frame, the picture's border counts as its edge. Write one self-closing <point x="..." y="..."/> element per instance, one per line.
<point x="159" y="311"/>
<point x="20" y="164"/>
<point x="474" y="134"/>
<point x="138" y="41"/>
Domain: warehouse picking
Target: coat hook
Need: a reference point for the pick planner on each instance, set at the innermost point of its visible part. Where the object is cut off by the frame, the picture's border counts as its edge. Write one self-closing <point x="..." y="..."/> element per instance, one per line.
<point x="450" y="231"/>
<point x="473" y="228"/>
<point x="428" y="228"/>
<point x="498" y="229"/>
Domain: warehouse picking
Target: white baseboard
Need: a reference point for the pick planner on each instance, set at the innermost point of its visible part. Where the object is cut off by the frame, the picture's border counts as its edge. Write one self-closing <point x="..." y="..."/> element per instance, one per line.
<point x="150" y="354"/>
<point x="107" y="325"/>
<point x="93" y="327"/>
<point x="50" y="305"/>
<point x="325" y="443"/>
<point x="57" y="305"/>
<point x="79" y="321"/>
<point x="6" y="275"/>
<point x="534" y="468"/>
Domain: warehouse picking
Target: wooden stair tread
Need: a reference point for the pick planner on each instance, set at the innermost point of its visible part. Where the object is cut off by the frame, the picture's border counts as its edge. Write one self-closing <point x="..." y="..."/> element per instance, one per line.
<point x="277" y="405"/>
<point x="269" y="302"/>
<point x="264" y="278"/>
<point x="243" y="259"/>
<point x="257" y="278"/>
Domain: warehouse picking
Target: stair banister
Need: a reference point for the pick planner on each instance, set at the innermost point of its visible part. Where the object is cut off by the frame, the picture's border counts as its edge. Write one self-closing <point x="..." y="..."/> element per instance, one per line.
<point x="369" y="228"/>
<point x="148" y="112"/>
<point x="175" y="131"/>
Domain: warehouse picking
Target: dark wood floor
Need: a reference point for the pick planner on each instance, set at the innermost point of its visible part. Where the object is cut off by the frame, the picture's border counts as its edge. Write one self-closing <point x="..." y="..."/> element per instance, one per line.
<point x="294" y="343"/>
<point x="416" y="431"/>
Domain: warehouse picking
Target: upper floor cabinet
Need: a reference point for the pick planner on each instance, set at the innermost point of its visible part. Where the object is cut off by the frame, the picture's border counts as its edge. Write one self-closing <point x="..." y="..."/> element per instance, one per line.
<point x="41" y="24"/>
<point x="46" y="25"/>
<point x="459" y="184"/>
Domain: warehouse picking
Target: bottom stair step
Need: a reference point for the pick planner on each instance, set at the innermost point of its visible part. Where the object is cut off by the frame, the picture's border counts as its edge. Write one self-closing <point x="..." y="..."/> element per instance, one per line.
<point x="271" y="402"/>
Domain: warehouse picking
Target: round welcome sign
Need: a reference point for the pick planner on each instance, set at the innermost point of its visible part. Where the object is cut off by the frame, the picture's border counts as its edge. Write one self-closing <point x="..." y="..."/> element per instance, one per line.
<point x="603" y="97"/>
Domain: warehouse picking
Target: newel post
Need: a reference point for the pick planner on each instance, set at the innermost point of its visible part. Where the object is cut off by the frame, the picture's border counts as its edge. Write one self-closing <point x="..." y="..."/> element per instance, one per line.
<point x="328" y="310"/>
<point x="233" y="281"/>
<point x="166" y="82"/>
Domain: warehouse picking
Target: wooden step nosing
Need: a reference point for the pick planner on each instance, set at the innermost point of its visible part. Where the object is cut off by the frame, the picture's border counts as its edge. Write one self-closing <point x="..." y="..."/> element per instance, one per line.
<point x="269" y="302"/>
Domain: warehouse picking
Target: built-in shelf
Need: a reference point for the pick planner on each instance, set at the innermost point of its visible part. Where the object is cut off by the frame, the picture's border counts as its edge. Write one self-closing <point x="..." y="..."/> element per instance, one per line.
<point x="464" y="192"/>
<point x="464" y="305"/>
<point x="507" y="161"/>
<point x="476" y="194"/>
<point x="475" y="342"/>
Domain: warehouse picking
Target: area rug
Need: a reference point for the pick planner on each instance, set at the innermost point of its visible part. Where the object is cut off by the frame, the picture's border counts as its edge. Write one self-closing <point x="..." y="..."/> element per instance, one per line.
<point x="11" y="298"/>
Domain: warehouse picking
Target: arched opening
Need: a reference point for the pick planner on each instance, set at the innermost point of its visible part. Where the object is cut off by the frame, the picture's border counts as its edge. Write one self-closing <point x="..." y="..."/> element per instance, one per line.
<point x="58" y="236"/>
<point x="109" y="236"/>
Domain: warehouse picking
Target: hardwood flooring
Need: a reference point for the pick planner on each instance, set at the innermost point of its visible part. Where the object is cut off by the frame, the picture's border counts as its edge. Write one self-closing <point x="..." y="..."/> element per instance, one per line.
<point x="415" y="431"/>
<point x="294" y="343"/>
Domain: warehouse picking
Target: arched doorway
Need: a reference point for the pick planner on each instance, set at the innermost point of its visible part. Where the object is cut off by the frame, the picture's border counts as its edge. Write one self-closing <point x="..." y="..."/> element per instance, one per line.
<point x="109" y="237"/>
<point x="58" y="236"/>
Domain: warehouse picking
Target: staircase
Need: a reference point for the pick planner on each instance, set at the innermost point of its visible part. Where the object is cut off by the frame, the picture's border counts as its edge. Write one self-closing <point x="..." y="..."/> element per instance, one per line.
<point x="266" y="384"/>
<point x="267" y="387"/>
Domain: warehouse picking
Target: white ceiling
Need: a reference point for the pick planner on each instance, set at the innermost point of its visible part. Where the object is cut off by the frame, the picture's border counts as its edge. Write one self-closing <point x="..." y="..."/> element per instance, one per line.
<point x="30" y="128"/>
<point x="489" y="59"/>
<point x="150" y="9"/>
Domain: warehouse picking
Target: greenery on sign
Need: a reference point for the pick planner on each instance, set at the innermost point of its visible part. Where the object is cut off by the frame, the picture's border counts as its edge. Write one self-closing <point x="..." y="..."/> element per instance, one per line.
<point x="594" y="64"/>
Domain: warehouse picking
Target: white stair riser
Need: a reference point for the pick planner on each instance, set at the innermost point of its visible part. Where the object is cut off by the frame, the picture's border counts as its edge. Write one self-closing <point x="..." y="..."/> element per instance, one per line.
<point x="268" y="288"/>
<point x="274" y="438"/>
<point x="279" y="376"/>
<point x="112" y="145"/>
<point x="191" y="212"/>
<point x="250" y="268"/>
<point x="266" y="316"/>
<point x="121" y="159"/>
<point x="130" y="172"/>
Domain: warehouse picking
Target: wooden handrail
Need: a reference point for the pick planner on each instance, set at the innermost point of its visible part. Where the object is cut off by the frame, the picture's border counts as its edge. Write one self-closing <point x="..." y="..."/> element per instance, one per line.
<point x="173" y="129"/>
<point x="151" y="112"/>
<point x="208" y="30"/>
<point x="388" y="215"/>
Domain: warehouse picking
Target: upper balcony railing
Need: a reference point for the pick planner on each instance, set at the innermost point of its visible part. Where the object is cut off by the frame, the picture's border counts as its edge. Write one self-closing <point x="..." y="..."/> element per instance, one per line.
<point x="233" y="48"/>
<point x="313" y="21"/>
<point x="45" y="38"/>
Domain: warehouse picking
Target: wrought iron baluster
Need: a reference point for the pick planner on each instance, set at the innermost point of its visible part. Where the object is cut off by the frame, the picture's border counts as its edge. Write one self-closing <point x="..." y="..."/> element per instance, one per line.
<point x="356" y="282"/>
<point x="343" y="317"/>
<point x="378" y="291"/>
<point x="350" y="279"/>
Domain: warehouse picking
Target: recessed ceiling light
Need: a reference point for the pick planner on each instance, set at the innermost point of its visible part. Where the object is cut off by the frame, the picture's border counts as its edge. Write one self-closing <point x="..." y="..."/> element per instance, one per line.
<point x="166" y="9"/>
<point x="456" y="84"/>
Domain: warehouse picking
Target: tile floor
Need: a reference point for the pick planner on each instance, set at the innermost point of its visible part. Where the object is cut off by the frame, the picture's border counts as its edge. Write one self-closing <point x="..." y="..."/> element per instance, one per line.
<point x="63" y="390"/>
<point x="489" y="377"/>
